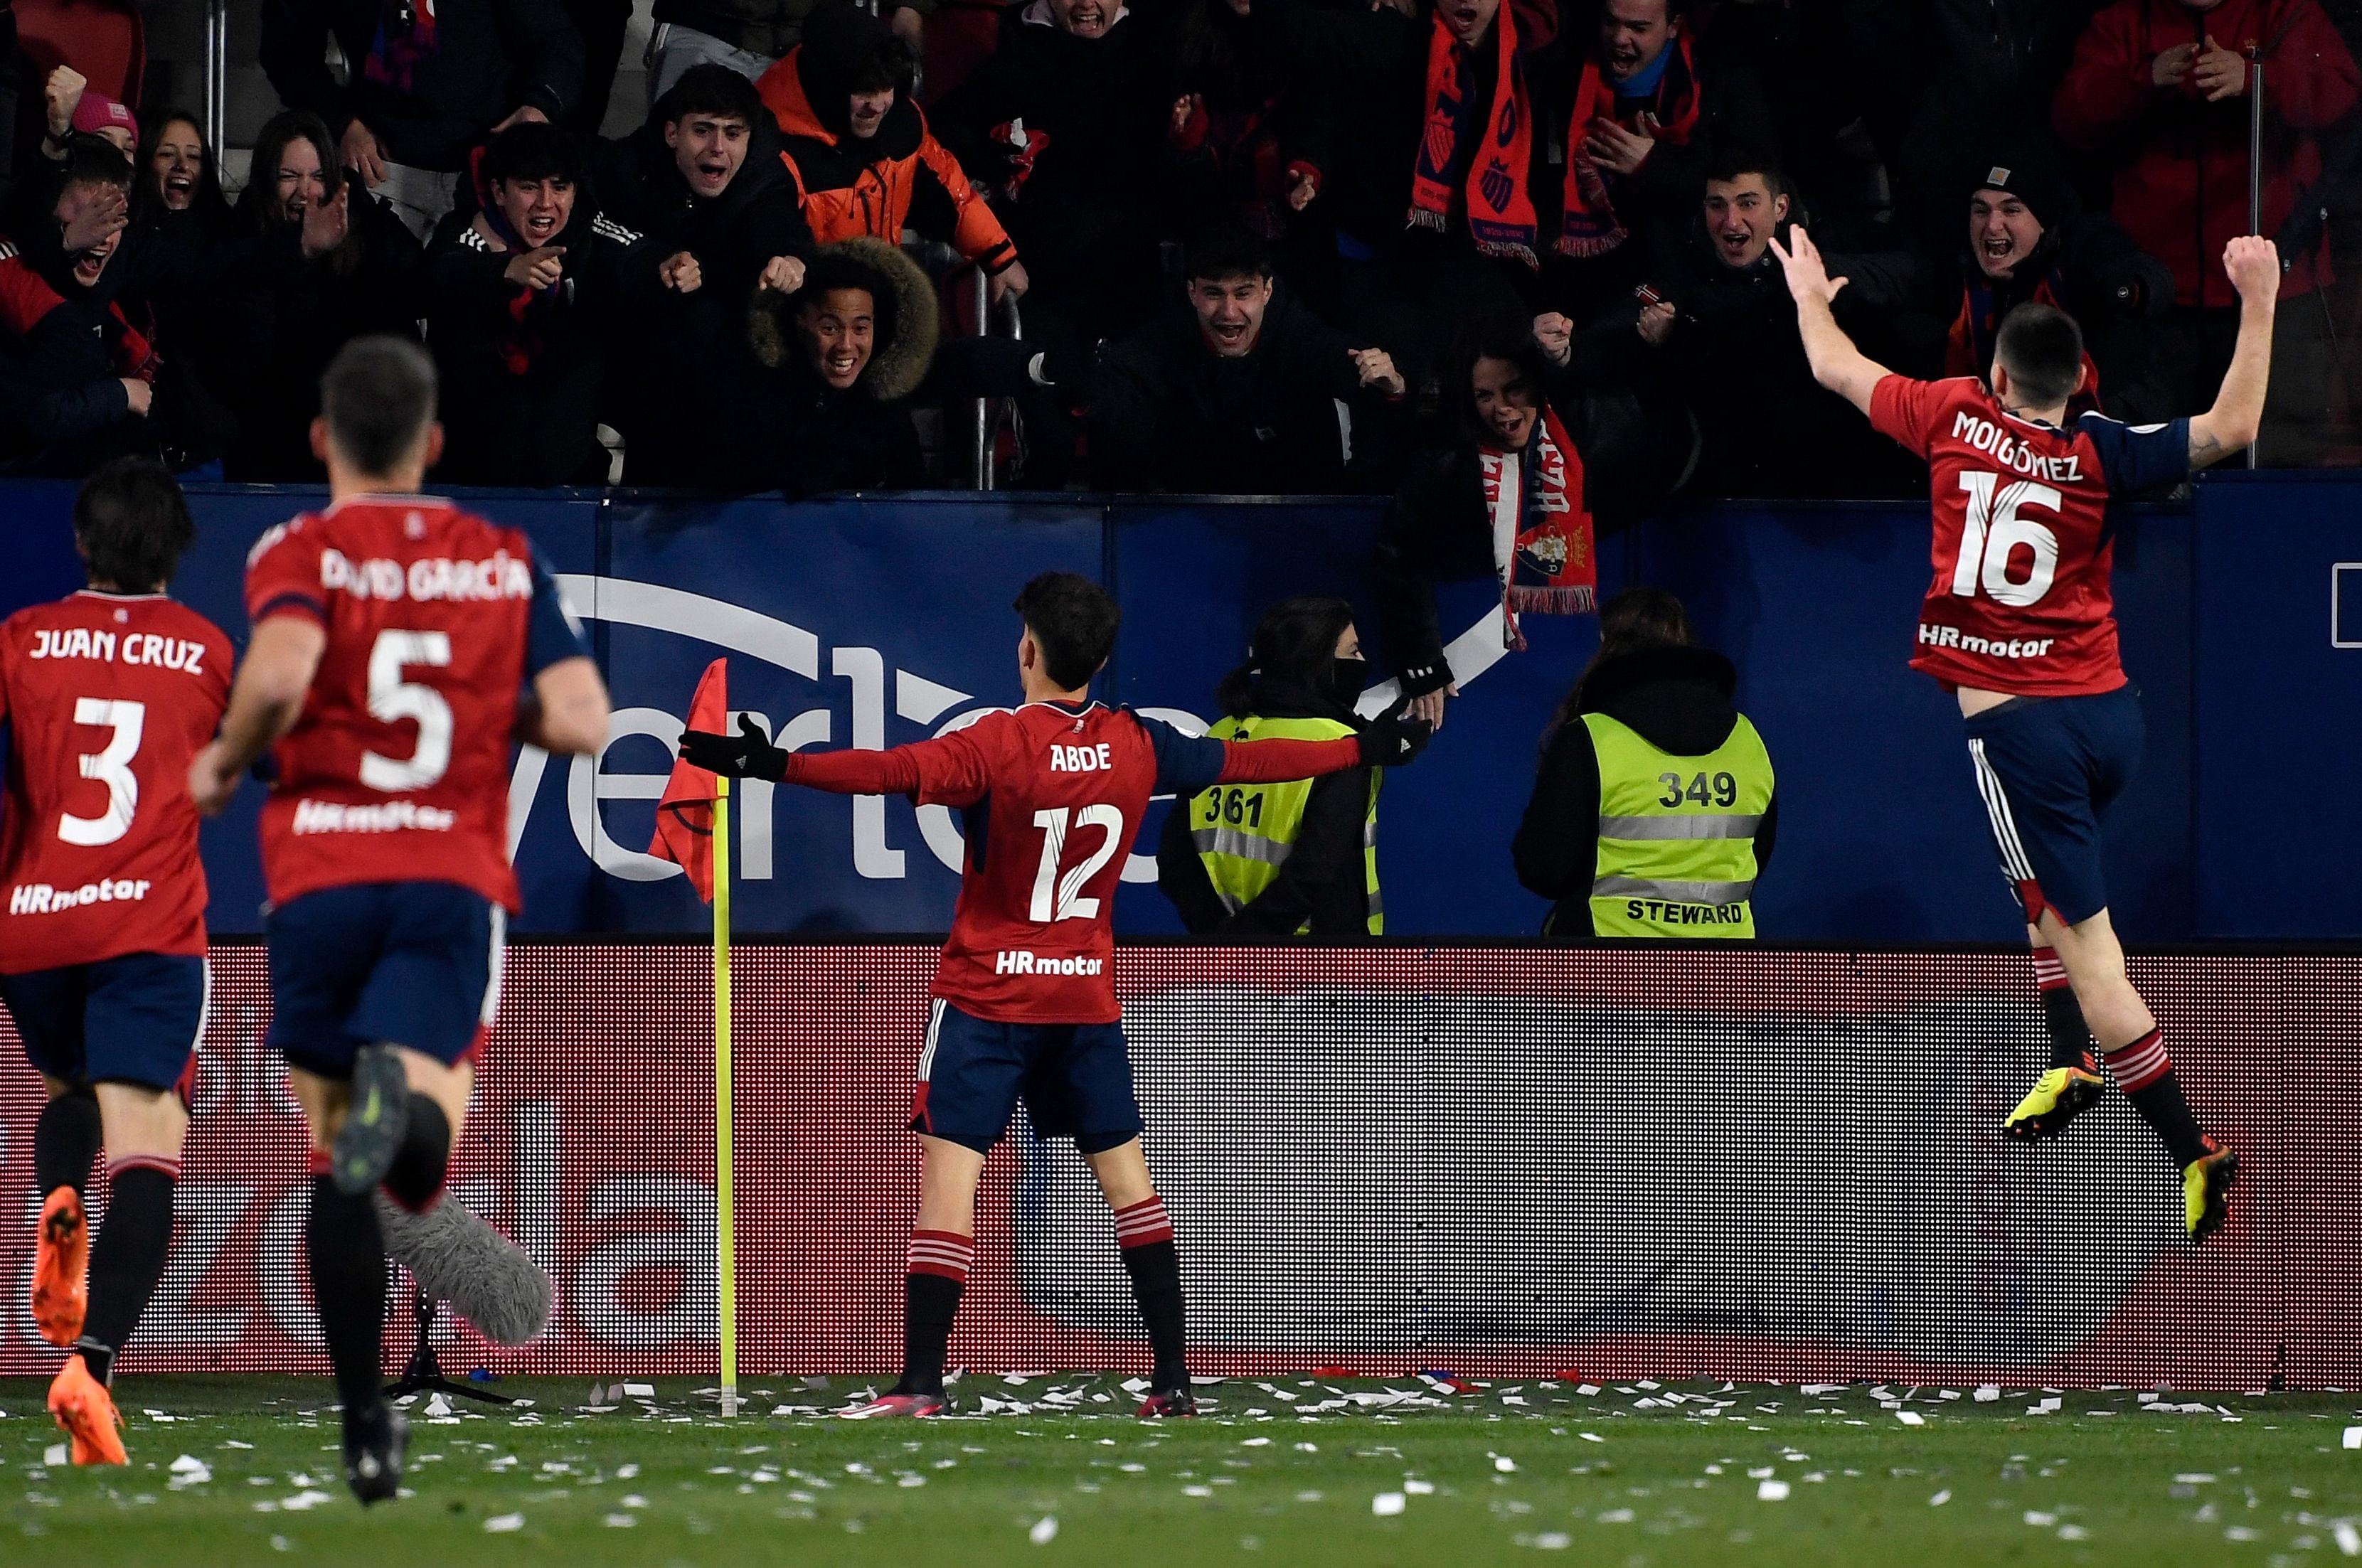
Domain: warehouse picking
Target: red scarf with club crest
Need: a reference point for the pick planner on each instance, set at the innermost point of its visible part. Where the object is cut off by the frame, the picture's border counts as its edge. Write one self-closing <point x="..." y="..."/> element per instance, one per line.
<point x="1543" y="542"/>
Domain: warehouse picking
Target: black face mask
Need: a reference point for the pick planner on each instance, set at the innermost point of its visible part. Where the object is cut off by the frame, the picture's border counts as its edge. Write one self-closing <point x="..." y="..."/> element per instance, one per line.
<point x="1345" y="678"/>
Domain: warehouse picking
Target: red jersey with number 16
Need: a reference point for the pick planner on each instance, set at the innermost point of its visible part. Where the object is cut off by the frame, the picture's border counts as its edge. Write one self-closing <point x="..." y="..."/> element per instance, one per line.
<point x="108" y="698"/>
<point x="1052" y="796"/>
<point x="2020" y="601"/>
<point x="398" y="769"/>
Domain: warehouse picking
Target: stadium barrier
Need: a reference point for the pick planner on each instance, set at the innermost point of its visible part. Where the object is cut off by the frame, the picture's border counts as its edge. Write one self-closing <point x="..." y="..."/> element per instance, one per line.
<point x="1500" y="1161"/>
<point x="873" y="621"/>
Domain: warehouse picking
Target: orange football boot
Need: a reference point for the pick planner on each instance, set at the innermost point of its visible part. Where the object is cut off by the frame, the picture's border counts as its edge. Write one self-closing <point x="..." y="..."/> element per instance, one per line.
<point x="62" y="1268"/>
<point x="86" y="1411"/>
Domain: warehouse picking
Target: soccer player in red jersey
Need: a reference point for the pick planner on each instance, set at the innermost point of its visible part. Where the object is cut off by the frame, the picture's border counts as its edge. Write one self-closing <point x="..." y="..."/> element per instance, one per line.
<point x="394" y="635"/>
<point x="1024" y="995"/>
<point x="108" y="693"/>
<point x="2019" y="624"/>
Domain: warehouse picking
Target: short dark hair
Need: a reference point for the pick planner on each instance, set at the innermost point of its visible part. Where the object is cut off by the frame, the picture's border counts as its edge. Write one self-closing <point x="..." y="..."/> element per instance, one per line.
<point x="533" y="149"/>
<point x="1729" y="163"/>
<point x="711" y="90"/>
<point x="377" y="398"/>
<point x="132" y="524"/>
<point x="886" y="69"/>
<point x="96" y="162"/>
<point x="1073" y="621"/>
<point x="2043" y="349"/>
<point x="1229" y="250"/>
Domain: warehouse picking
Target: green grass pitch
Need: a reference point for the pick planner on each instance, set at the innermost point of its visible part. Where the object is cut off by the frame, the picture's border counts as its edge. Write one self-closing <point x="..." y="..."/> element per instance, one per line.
<point x="1285" y="1470"/>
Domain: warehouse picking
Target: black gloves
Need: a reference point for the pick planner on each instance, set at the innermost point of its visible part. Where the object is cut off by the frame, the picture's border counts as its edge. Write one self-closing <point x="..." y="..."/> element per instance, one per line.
<point x="1393" y="740"/>
<point x="746" y="755"/>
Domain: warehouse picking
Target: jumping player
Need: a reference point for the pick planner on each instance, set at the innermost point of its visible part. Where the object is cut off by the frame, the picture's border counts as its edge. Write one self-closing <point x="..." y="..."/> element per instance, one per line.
<point x="395" y="637"/>
<point x="1024" y="998"/>
<point x="2019" y="624"/>
<point x="108" y="693"/>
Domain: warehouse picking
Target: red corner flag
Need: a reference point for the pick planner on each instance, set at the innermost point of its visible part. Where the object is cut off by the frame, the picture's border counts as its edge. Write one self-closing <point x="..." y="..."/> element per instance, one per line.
<point x="685" y="813"/>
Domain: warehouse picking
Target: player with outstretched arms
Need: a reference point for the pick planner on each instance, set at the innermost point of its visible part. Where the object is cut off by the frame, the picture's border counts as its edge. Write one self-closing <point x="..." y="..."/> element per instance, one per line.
<point x="2019" y="624"/>
<point x="1024" y="1007"/>
<point x="399" y="645"/>
<point x="108" y="693"/>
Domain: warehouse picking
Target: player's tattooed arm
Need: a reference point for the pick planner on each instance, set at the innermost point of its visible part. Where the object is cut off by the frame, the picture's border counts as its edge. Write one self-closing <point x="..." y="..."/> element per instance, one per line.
<point x="1837" y="363"/>
<point x="2254" y="266"/>
<point x="264" y="703"/>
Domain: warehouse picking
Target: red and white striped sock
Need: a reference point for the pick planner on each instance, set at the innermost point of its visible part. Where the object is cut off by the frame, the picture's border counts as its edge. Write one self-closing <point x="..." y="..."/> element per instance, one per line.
<point x="946" y="1253"/>
<point x="2140" y="1063"/>
<point x="1143" y="1223"/>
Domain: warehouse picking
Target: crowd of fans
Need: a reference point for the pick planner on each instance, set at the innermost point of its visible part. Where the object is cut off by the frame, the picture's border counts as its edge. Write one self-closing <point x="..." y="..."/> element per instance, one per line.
<point x="1260" y="245"/>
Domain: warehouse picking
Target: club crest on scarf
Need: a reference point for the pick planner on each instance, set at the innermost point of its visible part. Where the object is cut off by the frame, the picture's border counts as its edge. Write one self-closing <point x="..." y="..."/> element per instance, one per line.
<point x="1543" y="556"/>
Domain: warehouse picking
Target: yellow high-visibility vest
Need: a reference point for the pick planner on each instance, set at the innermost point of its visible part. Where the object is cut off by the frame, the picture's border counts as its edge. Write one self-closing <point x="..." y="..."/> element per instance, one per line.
<point x="1244" y="833"/>
<point x="1677" y="834"/>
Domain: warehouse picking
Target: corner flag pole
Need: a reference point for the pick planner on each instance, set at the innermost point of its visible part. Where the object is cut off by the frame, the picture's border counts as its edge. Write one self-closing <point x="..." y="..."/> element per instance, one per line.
<point x="725" y="1233"/>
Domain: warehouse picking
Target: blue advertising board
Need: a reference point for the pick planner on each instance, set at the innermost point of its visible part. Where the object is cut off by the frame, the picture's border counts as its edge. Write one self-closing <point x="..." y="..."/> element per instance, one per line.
<point x="879" y="621"/>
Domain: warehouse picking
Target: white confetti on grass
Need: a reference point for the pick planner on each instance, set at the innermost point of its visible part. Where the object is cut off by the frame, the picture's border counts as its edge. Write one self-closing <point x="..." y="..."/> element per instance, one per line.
<point x="1387" y="1505"/>
<point x="1553" y="1541"/>
<point x="1911" y="1417"/>
<point x="1044" y="1530"/>
<point x="305" y="1500"/>
<point x="2353" y="1437"/>
<point x="1940" y="1499"/>
<point x="54" y="1454"/>
<point x="2349" y="1539"/>
<point x="1771" y="1491"/>
<point x="1591" y="1437"/>
<point x="1504" y="1464"/>
<point x="619" y="1521"/>
<point x="502" y="1524"/>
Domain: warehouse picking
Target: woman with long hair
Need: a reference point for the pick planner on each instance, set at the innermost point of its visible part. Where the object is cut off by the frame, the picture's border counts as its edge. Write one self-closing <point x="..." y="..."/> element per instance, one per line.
<point x="291" y="323"/>
<point x="176" y="181"/>
<point x="1653" y="813"/>
<point x="1283" y="859"/>
<point x="1502" y="493"/>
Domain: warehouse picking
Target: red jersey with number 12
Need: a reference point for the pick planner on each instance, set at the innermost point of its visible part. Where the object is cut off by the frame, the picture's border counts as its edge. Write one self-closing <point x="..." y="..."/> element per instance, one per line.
<point x="1052" y="796"/>
<point x="398" y="769"/>
<point x="2020" y="601"/>
<point x="107" y="697"/>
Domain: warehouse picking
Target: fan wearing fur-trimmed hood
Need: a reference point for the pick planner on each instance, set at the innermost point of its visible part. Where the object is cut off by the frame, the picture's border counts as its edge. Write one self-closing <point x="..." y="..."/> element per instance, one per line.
<point x="841" y="356"/>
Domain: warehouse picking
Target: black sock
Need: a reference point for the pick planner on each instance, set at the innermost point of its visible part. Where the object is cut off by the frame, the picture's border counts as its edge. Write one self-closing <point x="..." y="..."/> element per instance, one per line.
<point x="930" y="1301"/>
<point x="2062" y="1015"/>
<point x="126" y="1258"/>
<point x="65" y="1142"/>
<point x="1145" y="1232"/>
<point x="346" y="1256"/>
<point x="2145" y="1074"/>
<point x="415" y="1178"/>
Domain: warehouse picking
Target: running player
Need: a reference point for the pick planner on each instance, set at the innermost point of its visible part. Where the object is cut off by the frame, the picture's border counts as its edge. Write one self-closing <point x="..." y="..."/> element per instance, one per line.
<point x="1024" y="998"/>
<point x="395" y="636"/>
<point x="2019" y="624"/>
<point x="108" y="693"/>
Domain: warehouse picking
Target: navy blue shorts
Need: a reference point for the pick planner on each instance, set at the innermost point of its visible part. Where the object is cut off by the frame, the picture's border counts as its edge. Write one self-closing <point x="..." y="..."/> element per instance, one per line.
<point x="414" y="964"/>
<point x="2048" y="766"/>
<point x="1075" y="1080"/>
<point x="132" y="1020"/>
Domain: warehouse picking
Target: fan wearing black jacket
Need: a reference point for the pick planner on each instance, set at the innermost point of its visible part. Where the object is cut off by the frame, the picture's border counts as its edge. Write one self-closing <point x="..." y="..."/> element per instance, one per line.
<point x="1650" y="677"/>
<point x="519" y="296"/>
<point x="702" y="190"/>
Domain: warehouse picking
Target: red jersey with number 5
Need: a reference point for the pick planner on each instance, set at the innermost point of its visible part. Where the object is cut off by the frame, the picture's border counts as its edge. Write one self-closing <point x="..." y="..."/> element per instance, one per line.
<point x="398" y="769"/>
<point x="2020" y="601"/>
<point x="108" y="698"/>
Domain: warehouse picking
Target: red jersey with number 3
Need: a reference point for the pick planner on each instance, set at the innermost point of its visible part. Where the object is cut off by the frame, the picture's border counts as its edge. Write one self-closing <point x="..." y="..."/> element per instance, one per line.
<point x="108" y="698"/>
<point x="398" y="769"/>
<point x="2020" y="601"/>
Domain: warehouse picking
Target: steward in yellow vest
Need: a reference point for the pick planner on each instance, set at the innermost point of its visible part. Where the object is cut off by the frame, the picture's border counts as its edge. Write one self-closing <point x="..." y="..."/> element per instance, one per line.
<point x="1654" y="812"/>
<point x="1293" y="859"/>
